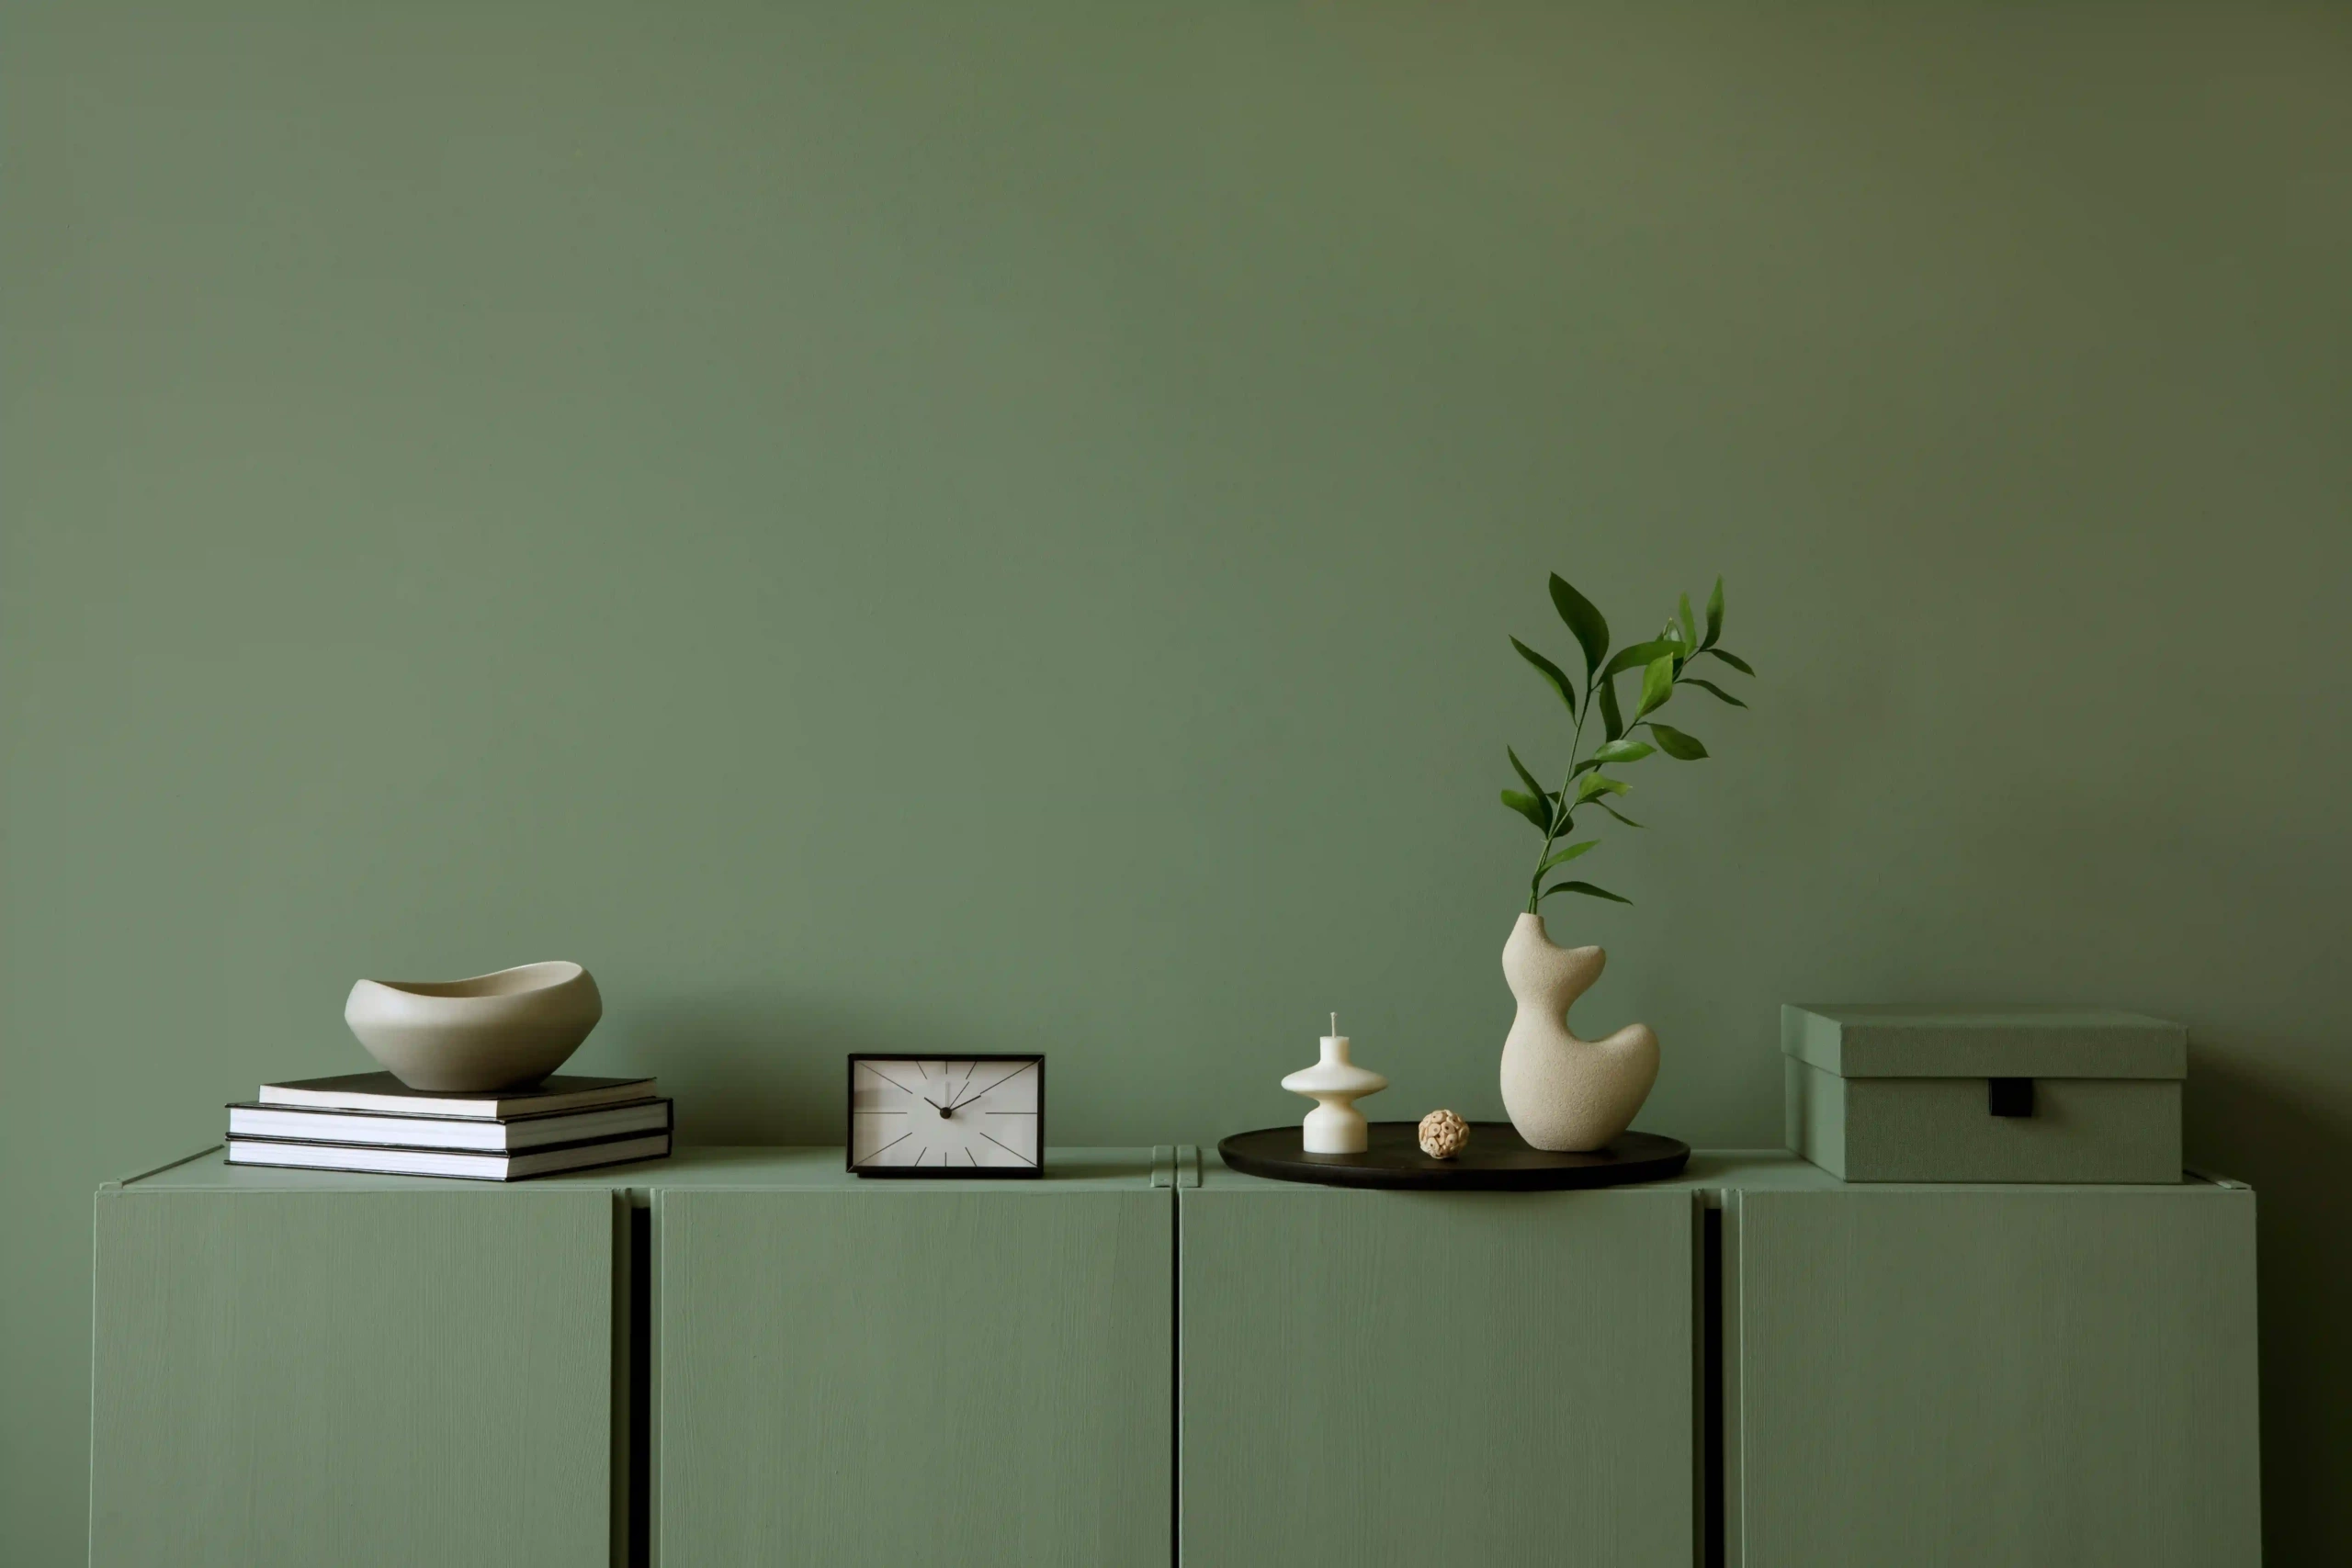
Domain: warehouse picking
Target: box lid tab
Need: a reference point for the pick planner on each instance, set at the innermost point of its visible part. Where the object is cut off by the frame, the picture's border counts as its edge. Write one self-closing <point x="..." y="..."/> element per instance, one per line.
<point x="1869" y="1039"/>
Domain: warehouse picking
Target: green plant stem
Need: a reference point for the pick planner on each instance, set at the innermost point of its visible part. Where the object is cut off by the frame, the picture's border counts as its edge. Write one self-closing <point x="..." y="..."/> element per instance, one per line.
<point x="1564" y="818"/>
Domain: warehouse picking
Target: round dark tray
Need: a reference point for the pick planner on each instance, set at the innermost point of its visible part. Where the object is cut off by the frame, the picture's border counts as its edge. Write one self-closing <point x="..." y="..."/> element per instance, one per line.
<point x="1495" y="1160"/>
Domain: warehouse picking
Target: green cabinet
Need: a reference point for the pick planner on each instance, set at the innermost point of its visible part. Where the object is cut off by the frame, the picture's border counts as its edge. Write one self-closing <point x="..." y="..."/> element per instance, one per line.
<point x="353" y="1371"/>
<point x="1388" y="1380"/>
<point x="1135" y="1362"/>
<point x="882" y="1374"/>
<point x="1977" y="1375"/>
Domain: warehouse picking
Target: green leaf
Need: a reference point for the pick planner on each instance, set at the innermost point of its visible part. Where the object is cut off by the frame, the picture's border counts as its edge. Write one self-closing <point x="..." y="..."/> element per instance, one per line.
<point x="1617" y="814"/>
<point x="1537" y="789"/>
<point x="1611" y="720"/>
<point x="1626" y="750"/>
<point x="1658" y="684"/>
<point x="1589" y="625"/>
<point x="1733" y="659"/>
<point x="1588" y="889"/>
<point x="1596" y="785"/>
<point x="1715" y="615"/>
<point x="1533" y="807"/>
<point x="1689" y="623"/>
<point x="1710" y="686"/>
<point x="1673" y="743"/>
<point x="1560" y="857"/>
<point x="1636" y="654"/>
<point x="1552" y="673"/>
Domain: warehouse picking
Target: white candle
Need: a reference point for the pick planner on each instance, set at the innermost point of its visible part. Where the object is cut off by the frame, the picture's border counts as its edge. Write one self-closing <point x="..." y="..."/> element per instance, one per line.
<point x="1334" y="1126"/>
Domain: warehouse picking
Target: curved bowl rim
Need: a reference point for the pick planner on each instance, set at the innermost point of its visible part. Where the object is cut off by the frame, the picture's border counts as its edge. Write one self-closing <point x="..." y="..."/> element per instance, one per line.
<point x="566" y="973"/>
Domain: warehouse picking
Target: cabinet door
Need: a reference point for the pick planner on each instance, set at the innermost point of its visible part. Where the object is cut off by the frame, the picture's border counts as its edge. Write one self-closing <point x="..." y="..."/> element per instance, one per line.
<point x="1969" y="1377"/>
<point x="1386" y="1380"/>
<point x="908" y="1375"/>
<point x="357" y="1378"/>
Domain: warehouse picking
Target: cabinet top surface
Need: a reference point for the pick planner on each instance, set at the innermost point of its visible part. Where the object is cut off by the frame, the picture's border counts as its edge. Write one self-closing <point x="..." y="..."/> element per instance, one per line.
<point x="1075" y="1170"/>
<point x="714" y="1168"/>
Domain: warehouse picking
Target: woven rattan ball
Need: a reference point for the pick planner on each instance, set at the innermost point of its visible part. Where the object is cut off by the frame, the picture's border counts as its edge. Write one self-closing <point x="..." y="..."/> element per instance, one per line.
<point x="1444" y="1134"/>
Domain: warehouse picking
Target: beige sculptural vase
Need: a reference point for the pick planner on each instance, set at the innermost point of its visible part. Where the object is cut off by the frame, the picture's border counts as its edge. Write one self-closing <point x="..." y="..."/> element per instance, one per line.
<point x="1564" y="1093"/>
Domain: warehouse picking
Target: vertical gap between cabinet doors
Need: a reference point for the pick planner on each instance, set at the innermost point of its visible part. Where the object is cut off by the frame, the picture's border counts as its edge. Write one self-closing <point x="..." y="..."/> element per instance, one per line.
<point x="1712" y="1532"/>
<point x="1176" y="1374"/>
<point x="620" y="1412"/>
<point x="638" y="1482"/>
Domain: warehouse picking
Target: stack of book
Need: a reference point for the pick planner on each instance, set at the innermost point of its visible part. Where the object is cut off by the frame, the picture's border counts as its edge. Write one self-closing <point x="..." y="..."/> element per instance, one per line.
<point x="372" y="1122"/>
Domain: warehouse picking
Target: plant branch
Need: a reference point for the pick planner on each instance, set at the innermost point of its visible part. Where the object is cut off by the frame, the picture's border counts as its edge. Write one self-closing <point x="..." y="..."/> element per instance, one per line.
<point x="1563" y="819"/>
<point x="1681" y="642"/>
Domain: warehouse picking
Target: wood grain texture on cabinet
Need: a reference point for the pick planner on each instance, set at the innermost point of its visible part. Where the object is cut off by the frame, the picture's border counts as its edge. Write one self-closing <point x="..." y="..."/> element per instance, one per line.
<point x="1391" y="1379"/>
<point x="914" y="1375"/>
<point x="2008" y="1375"/>
<point x="353" y="1377"/>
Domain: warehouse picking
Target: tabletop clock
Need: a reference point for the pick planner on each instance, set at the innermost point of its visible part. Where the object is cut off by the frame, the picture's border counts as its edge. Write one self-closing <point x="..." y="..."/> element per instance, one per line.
<point x="947" y="1116"/>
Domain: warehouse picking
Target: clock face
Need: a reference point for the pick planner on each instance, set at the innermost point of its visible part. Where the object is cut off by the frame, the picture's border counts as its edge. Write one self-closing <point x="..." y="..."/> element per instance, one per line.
<point x="947" y="1116"/>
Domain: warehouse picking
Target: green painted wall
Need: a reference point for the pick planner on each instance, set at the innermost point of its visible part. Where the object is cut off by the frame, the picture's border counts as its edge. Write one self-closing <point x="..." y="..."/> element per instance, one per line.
<point x="993" y="528"/>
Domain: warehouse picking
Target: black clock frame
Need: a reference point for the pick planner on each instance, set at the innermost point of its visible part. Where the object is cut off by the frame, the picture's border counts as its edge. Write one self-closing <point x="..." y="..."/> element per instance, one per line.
<point x="944" y="1172"/>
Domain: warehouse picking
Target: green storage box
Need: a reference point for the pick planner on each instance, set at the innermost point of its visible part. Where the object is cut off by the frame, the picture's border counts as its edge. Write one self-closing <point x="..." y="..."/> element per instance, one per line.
<point x="1880" y="1093"/>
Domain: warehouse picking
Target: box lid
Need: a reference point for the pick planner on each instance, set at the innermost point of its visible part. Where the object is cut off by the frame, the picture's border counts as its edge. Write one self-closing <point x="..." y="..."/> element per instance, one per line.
<point x="1895" y="1041"/>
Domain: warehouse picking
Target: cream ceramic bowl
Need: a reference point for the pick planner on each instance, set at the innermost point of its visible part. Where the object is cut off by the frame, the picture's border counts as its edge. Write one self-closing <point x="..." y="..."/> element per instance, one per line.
<point x="502" y="1031"/>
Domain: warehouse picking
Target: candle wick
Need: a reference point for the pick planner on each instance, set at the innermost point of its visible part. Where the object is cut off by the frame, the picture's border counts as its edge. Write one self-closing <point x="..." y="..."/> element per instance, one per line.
<point x="1335" y="1026"/>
